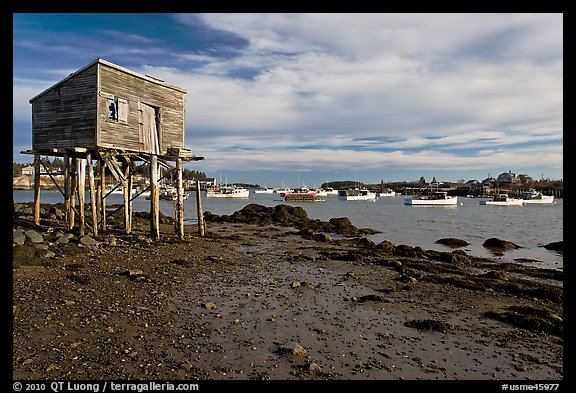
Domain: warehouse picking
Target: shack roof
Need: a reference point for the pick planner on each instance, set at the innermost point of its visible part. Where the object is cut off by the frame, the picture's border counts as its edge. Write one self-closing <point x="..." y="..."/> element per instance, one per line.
<point x="112" y="65"/>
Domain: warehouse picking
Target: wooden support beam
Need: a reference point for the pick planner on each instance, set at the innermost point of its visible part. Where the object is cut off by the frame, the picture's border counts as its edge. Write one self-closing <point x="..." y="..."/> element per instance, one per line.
<point x="90" y="169"/>
<point x="126" y="194"/>
<point x="179" y="201"/>
<point x="73" y="184"/>
<point x="114" y="168"/>
<point x="81" y="175"/>
<point x="201" y="224"/>
<point x="102" y="198"/>
<point x="37" y="189"/>
<point x="67" y="192"/>
<point x="154" y="199"/>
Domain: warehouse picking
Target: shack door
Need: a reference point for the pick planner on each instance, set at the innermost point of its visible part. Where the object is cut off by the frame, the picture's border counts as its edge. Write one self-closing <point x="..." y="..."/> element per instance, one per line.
<point x="149" y="132"/>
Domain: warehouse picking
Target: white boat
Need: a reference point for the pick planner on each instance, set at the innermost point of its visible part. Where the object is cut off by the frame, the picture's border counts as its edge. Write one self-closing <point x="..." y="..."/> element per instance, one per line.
<point x="432" y="198"/>
<point x="228" y="192"/>
<point x="267" y="190"/>
<point x="330" y="191"/>
<point x="119" y="190"/>
<point x="502" y="199"/>
<point x="535" y="197"/>
<point x="168" y="193"/>
<point x="386" y="193"/>
<point x="282" y="190"/>
<point x="320" y="192"/>
<point x="357" y="194"/>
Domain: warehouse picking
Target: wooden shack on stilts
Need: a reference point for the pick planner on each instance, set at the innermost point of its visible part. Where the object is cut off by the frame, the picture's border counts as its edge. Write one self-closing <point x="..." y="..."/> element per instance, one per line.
<point x="118" y="118"/>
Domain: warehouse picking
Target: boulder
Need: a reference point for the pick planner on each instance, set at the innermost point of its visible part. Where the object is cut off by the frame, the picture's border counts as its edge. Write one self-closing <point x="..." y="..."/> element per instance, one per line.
<point x="500" y="244"/>
<point x="555" y="246"/>
<point x="33" y="236"/>
<point x="452" y="242"/>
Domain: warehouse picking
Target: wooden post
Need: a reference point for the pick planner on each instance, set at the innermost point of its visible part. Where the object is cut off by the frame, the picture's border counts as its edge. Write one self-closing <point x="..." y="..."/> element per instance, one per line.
<point x="180" y="201"/>
<point x="103" y="194"/>
<point x="126" y="193"/>
<point x="201" y="225"/>
<point x="72" y="191"/>
<point x="81" y="175"/>
<point x="36" y="189"/>
<point x="67" y="192"/>
<point x="154" y="198"/>
<point x="90" y="169"/>
<point x="130" y="177"/>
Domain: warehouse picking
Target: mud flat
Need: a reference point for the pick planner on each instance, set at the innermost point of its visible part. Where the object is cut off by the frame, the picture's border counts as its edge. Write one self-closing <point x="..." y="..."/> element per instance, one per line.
<point x="274" y="301"/>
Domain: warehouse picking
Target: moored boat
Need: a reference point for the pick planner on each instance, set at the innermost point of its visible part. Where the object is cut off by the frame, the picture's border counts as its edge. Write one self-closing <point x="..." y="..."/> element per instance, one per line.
<point x="532" y="196"/>
<point x="357" y="194"/>
<point x="502" y="199"/>
<point x="310" y="196"/>
<point x="387" y="192"/>
<point x="266" y="190"/>
<point x="432" y="198"/>
<point x="228" y="192"/>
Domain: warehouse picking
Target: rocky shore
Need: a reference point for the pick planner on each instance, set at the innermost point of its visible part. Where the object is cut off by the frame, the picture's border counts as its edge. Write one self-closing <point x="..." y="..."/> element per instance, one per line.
<point x="271" y="294"/>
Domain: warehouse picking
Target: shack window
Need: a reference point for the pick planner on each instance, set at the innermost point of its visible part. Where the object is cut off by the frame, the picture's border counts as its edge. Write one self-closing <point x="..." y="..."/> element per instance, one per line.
<point x="122" y="110"/>
<point x="118" y="110"/>
<point x="112" y="110"/>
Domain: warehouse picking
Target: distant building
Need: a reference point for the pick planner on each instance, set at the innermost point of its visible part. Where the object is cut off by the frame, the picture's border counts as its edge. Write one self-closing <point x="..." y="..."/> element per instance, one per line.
<point x="507" y="178"/>
<point x="29" y="170"/>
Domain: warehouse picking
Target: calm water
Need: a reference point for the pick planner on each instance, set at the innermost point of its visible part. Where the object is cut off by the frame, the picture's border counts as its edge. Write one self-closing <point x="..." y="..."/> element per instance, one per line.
<point x="528" y="226"/>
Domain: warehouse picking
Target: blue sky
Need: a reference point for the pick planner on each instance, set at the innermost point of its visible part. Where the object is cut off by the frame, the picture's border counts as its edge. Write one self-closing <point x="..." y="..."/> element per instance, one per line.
<point x="305" y="98"/>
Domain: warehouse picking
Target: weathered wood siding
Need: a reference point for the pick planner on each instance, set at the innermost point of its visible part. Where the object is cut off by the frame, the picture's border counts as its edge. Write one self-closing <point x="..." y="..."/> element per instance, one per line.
<point x="136" y="90"/>
<point x="65" y="116"/>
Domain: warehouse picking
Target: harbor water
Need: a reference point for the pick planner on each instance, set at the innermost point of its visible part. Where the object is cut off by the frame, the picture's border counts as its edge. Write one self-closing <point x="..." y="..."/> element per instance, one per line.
<point x="529" y="226"/>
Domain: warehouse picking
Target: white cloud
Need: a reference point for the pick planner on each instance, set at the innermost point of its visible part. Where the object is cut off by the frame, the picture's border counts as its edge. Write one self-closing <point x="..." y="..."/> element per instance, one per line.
<point x="395" y="86"/>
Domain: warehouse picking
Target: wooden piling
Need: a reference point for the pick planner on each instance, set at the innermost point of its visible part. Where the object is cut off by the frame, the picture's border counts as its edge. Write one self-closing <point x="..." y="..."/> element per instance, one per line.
<point x="179" y="201"/>
<point x="154" y="198"/>
<point x="102" y="198"/>
<point x="90" y="170"/>
<point x="201" y="224"/>
<point x="37" y="189"/>
<point x="81" y="176"/>
<point x="126" y="193"/>
<point x="73" y="184"/>
<point x="67" y="192"/>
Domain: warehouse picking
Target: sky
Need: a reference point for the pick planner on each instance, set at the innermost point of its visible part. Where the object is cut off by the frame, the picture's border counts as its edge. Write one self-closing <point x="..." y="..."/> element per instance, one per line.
<point x="298" y="99"/>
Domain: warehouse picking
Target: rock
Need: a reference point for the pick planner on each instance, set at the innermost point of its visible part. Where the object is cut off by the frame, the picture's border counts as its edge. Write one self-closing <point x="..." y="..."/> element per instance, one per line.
<point x="323" y="237"/>
<point x="209" y="305"/>
<point x="369" y="298"/>
<point x="292" y="348"/>
<point x="312" y="368"/>
<point x="34" y="236"/>
<point x="452" y="242"/>
<point x="430" y="325"/>
<point x="57" y="212"/>
<point x="18" y="237"/>
<point x="295" y="284"/>
<point x="65" y="238"/>
<point x="386" y="246"/>
<point x="459" y="257"/>
<point x="88" y="241"/>
<point x="555" y="246"/>
<point x="405" y="251"/>
<point x="500" y="244"/>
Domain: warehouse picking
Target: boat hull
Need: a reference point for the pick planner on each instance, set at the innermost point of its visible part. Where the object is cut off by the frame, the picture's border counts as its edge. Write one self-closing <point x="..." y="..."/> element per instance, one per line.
<point x="371" y="197"/>
<point x="449" y="201"/>
<point x="543" y="201"/>
<point x="243" y="194"/>
<point x="511" y="202"/>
